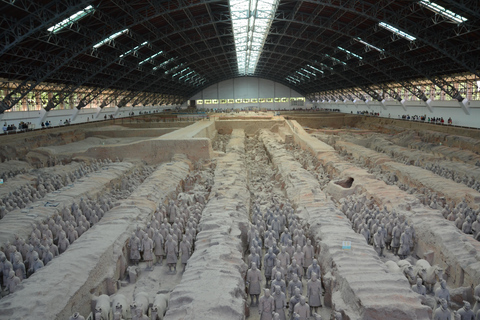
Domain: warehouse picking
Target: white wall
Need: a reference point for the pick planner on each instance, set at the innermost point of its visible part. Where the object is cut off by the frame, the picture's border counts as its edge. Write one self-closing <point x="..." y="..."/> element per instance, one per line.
<point x="247" y="88"/>
<point x="443" y="109"/>
<point x="76" y="116"/>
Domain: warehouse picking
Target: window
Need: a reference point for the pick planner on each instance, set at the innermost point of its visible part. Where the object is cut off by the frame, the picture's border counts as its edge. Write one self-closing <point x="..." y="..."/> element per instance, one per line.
<point x="208" y="101"/>
<point x="277" y="99"/>
<point x="254" y="100"/>
<point x="231" y="101"/>
<point x="238" y="100"/>
<point x="269" y="99"/>
<point x="214" y="101"/>
<point x="246" y="100"/>
<point x="261" y="100"/>
<point x="199" y="101"/>
<point x="223" y="101"/>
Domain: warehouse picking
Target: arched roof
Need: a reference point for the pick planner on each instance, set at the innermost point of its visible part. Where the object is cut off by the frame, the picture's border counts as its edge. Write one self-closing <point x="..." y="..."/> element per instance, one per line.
<point x="339" y="41"/>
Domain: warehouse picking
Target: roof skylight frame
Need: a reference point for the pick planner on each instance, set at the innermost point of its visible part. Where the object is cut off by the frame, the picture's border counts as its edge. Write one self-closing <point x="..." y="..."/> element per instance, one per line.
<point x="72" y="19"/>
<point x="251" y="21"/>
<point x="134" y="49"/>
<point x="368" y="44"/>
<point x="397" y="31"/>
<point x="350" y="53"/>
<point x="110" y="38"/>
<point x="150" y="58"/>
<point x="444" y="12"/>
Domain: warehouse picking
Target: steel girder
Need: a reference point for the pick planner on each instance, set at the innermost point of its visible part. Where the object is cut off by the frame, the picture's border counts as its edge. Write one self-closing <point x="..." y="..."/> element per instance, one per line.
<point x="40" y="17"/>
<point x="80" y="47"/>
<point x="362" y="9"/>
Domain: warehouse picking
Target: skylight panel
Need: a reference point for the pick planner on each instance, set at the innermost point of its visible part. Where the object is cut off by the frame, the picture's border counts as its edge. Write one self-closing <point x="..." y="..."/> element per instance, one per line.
<point x="335" y="59"/>
<point x="163" y="64"/>
<point x="303" y="75"/>
<point x="316" y="69"/>
<point x="350" y="53"/>
<point x="110" y="38"/>
<point x="368" y="44"/>
<point x="251" y="21"/>
<point x="151" y="57"/>
<point x="309" y="72"/>
<point x="397" y="31"/>
<point x="442" y="11"/>
<point x="134" y="49"/>
<point x="73" y="18"/>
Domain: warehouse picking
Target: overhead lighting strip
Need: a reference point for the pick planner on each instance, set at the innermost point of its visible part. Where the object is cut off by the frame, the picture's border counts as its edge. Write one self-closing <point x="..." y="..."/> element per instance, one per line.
<point x="134" y="49"/>
<point x="70" y="20"/>
<point x="316" y="69"/>
<point x="442" y="11"/>
<point x="163" y="64"/>
<point x="350" y="53"/>
<point x="368" y="44"/>
<point x="397" y="31"/>
<point x="110" y="38"/>
<point x="251" y="21"/>
<point x="151" y="57"/>
<point x="335" y="59"/>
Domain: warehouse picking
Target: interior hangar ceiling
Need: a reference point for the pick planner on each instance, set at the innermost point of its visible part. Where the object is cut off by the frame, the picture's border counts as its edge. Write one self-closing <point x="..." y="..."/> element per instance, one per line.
<point x="177" y="48"/>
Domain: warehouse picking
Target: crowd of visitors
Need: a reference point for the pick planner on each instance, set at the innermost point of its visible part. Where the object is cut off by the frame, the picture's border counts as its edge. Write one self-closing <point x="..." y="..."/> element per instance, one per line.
<point x="424" y="118"/>
<point x="22" y="126"/>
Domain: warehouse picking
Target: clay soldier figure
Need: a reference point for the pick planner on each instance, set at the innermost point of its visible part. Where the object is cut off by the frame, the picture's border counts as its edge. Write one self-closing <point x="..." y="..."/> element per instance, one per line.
<point x="254" y="278"/>
<point x="404" y="250"/>
<point x="147" y="245"/>
<point x="443" y="293"/>
<point x="171" y="250"/>
<point x="134" y="244"/>
<point x="292" y="285"/>
<point x="308" y="251"/>
<point x="280" y="303"/>
<point x="379" y="242"/>
<point x="442" y="312"/>
<point x="278" y="268"/>
<point x="37" y="263"/>
<point x="314" y="292"/>
<point x="476" y="296"/>
<point x="465" y="312"/>
<point x="302" y="309"/>
<point x="419" y="288"/>
<point x="266" y="306"/>
<point x="19" y="269"/>
<point x="285" y="237"/>
<point x="253" y="257"/>
<point x="12" y="282"/>
<point x="300" y="257"/>
<point x="290" y="249"/>
<point x="294" y="300"/>
<point x="76" y="316"/>
<point x="63" y="242"/>
<point x="139" y="315"/>
<point x="316" y="316"/>
<point x="172" y="211"/>
<point x="279" y="282"/>
<point x="284" y="258"/>
<point x="158" y="246"/>
<point x="313" y="268"/>
<point x="396" y="234"/>
<point x="294" y="268"/>
<point x="185" y="251"/>
<point x="269" y="262"/>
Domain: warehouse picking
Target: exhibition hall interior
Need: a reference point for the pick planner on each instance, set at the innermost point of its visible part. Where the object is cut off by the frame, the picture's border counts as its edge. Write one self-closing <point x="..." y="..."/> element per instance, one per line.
<point x="240" y="160"/>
